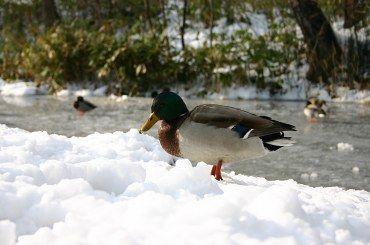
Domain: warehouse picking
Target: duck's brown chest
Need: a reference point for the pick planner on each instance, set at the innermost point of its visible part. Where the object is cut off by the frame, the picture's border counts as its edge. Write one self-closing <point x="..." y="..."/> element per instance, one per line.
<point x="169" y="138"/>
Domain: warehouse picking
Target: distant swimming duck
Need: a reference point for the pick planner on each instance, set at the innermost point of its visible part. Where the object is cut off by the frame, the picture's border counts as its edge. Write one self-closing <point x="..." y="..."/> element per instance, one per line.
<point x="314" y="109"/>
<point x="82" y="105"/>
<point x="214" y="134"/>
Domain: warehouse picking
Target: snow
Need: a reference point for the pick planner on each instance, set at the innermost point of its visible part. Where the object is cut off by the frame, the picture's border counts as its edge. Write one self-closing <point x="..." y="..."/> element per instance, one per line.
<point x="74" y="90"/>
<point x="344" y="147"/>
<point x="309" y="177"/>
<point x="118" y="98"/>
<point x="293" y="90"/>
<point x="355" y="170"/>
<point x="116" y="188"/>
<point x="20" y="88"/>
<point x="343" y="34"/>
<point x="7" y="232"/>
<point x="259" y="23"/>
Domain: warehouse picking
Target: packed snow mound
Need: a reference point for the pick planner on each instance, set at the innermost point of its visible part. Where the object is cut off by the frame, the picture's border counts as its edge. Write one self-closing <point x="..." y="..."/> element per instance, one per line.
<point x="118" y="188"/>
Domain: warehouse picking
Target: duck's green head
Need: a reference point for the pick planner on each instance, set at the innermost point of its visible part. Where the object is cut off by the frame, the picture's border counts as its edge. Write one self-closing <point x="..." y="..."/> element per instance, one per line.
<point x="166" y="106"/>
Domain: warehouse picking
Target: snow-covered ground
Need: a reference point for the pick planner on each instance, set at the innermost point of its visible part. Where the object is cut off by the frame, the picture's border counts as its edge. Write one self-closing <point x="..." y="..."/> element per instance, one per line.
<point x="118" y="188"/>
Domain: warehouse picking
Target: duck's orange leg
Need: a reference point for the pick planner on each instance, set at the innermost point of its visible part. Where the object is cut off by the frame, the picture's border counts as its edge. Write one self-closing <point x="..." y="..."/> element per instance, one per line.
<point x="216" y="170"/>
<point x="213" y="171"/>
<point x="81" y="113"/>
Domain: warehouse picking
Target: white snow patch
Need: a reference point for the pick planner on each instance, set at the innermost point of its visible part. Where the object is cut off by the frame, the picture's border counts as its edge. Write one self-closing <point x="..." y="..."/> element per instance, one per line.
<point x="118" y="188"/>
<point x="7" y="232"/>
<point x="300" y="91"/>
<point x="63" y="93"/>
<point x="259" y="23"/>
<point x="355" y="170"/>
<point x="313" y="176"/>
<point x="20" y="88"/>
<point x="75" y="90"/>
<point x="309" y="176"/>
<point x="344" y="147"/>
<point x="118" y="98"/>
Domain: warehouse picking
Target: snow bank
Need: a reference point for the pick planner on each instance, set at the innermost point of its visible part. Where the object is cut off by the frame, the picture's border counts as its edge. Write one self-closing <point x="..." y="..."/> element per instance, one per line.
<point x="78" y="91"/>
<point x="118" y="98"/>
<point x="291" y="93"/>
<point x="295" y="91"/>
<point x="117" y="188"/>
<point x="20" y="88"/>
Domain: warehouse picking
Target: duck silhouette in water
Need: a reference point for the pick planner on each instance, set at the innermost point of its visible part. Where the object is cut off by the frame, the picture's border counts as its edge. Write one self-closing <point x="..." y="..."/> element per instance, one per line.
<point x="83" y="106"/>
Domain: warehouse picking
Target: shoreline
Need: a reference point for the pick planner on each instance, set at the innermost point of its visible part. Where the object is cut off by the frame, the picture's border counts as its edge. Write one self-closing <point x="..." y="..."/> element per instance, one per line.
<point x="294" y="93"/>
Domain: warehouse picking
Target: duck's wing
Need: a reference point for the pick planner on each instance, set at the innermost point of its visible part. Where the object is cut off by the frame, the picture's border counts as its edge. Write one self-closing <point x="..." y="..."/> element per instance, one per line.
<point x="244" y="123"/>
<point x="91" y="105"/>
<point x="86" y="106"/>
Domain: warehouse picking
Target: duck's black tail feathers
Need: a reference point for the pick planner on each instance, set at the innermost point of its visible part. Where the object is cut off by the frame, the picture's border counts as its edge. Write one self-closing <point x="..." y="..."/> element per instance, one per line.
<point x="273" y="142"/>
<point x="273" y="137"/>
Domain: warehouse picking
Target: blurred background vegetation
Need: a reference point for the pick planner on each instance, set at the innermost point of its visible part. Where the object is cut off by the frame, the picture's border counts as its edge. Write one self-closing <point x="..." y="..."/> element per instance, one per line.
<point x="133" y="46"/>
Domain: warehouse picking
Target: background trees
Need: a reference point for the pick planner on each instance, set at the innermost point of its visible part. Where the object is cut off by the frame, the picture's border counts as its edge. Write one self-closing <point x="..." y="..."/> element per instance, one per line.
<point x="134" y="45"/>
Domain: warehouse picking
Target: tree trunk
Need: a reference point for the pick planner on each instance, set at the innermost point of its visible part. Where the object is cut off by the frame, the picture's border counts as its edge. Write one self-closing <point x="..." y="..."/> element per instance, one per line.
<point x="211" y="23"/>
<point x="165" y="25"/>
<point x="148" y="16"/>
<point x="183" y="26"/>
<point x="49" y="12"/>
<point x="354" y="12"/>
<point x="324" y="53"/>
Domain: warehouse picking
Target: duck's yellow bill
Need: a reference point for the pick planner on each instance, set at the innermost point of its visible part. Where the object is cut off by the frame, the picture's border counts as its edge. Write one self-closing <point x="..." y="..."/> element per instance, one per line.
<point x="149" y="123"/>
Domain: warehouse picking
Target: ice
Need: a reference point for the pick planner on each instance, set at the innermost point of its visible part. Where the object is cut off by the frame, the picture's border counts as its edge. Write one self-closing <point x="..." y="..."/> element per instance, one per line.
<point x="313" y="176"/>
<point x="355" y="170"/>
<point x="117" y="188"/>
<point x="344" y="147"/>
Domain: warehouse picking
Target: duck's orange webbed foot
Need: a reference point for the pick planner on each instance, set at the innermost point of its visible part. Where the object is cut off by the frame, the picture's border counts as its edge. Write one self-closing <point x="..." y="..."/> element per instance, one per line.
<point x="216" y="170"/>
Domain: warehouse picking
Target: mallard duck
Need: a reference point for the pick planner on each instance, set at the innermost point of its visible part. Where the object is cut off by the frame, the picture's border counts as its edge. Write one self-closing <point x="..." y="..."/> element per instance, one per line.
<point x="82" y="105"/>
<point x="214" y="134"/>
<point x="155" y="93"/>
<point x="314" y="109"/>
